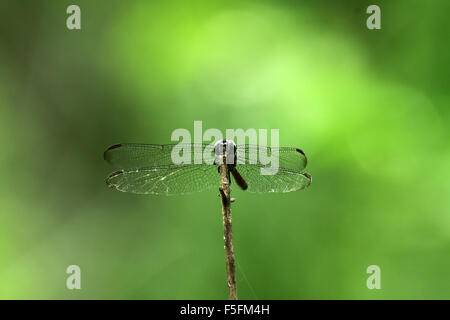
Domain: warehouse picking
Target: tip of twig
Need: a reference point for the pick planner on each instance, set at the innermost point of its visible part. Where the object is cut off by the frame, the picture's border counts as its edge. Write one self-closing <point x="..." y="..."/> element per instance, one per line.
<point x="232" y="199"/>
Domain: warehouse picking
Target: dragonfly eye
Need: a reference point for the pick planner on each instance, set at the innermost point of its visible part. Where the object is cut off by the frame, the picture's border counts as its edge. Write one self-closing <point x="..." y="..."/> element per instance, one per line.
<point x="225" y="147"/>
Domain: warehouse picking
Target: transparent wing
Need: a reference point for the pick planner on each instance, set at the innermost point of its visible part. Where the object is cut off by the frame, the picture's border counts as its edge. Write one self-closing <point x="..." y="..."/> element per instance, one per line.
<point x="288" y="158"/>
<point x="149" y="169"/>
<point x="284" y="180"/>
<point x="133" y="155"/>
<point x="166" y="180"/>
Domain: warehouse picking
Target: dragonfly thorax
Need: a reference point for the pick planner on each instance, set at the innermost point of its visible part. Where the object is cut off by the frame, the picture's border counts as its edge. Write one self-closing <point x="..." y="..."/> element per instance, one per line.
<point x="225" y="148"/>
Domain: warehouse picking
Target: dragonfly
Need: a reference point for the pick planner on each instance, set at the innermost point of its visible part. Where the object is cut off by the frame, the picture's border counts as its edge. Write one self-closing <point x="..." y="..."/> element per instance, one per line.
<point x="150" y="169"/>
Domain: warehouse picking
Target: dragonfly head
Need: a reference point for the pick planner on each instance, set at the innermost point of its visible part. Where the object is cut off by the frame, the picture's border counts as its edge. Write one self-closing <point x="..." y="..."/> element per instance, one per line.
<point x="227" y="148"/>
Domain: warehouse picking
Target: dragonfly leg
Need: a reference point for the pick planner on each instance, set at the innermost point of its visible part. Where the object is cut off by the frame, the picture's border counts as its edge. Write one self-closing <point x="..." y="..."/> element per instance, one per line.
<point x="228" y="173"/>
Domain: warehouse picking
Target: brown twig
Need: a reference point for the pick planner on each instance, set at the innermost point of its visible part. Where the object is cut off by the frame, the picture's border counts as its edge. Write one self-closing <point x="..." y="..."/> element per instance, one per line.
<point x="227" y="229"/>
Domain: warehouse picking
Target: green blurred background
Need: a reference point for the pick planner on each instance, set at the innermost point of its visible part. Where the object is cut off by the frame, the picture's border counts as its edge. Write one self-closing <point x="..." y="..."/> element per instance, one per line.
<point x="369" y="107"/>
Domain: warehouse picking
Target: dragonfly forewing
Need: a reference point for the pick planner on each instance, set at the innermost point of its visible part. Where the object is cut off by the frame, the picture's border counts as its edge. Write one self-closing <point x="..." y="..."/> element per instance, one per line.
<point x="134" y="155"/>
<point x="288" y="158"/>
